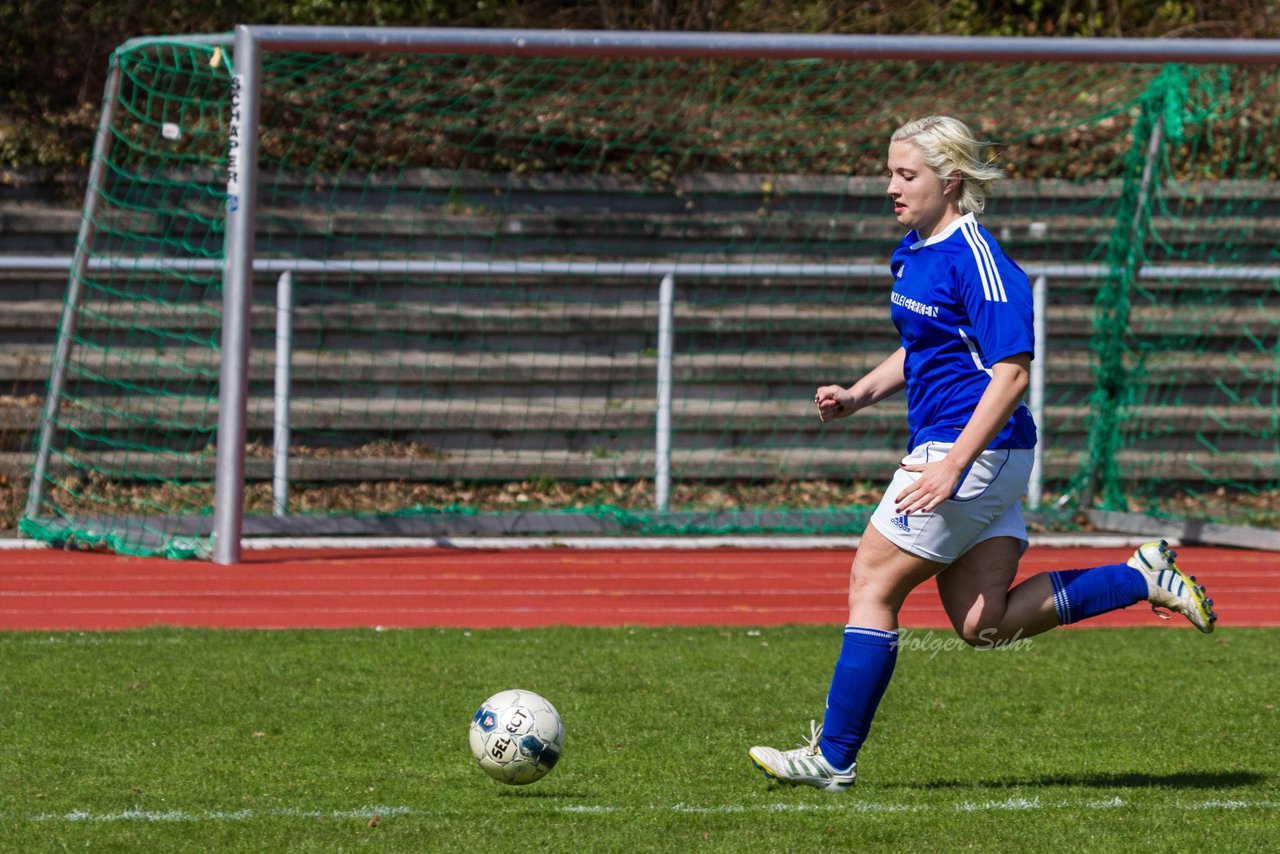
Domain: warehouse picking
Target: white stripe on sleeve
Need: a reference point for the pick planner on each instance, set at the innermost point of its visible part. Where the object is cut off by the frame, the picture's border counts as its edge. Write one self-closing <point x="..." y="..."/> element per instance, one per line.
<point x="992" y="284"/>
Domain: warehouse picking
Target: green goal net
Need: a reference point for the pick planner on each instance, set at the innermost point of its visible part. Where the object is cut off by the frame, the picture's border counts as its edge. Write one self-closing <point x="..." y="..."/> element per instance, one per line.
<point x="458" y="326"/>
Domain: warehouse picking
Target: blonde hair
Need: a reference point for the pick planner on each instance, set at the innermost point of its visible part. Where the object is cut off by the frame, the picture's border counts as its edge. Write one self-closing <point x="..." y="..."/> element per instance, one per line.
<point x="948" y="147"/>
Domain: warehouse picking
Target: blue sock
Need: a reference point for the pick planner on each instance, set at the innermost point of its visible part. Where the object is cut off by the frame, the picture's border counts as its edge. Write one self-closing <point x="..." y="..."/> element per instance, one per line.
<point x="1079" y="594"/>
<point x="862" y="673"/>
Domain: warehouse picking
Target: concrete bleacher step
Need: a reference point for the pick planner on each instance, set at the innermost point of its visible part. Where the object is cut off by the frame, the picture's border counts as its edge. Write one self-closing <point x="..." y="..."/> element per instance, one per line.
<point x="566" y="414"/>
<point x="711" y="464"/>
<point x="29" y="364"/>
<point x="372" y="323"/>
<point x="442" y="429"/>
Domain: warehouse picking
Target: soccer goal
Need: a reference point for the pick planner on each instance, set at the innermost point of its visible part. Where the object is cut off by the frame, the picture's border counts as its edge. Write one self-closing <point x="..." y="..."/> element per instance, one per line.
<point x="446" y="282"/>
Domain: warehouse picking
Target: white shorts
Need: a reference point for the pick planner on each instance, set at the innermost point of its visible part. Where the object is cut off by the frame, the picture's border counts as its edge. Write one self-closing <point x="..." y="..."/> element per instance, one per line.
<point x="987" y="504"/>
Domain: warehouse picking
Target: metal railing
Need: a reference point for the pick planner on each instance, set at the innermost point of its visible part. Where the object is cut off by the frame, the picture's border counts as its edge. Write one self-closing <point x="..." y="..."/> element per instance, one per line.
<point x="667" y="274"/>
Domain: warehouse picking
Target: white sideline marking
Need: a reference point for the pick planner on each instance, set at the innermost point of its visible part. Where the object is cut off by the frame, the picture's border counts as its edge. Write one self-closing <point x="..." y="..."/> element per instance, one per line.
<point x="1027" y="804"/>
<point x="238" y="815"/>
<point x="1011" y="804"/>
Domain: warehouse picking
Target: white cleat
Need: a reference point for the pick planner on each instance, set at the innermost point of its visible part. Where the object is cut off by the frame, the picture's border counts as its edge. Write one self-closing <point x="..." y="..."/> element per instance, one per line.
<point x="804" y="766"/>
<point x="1170" y="588"/>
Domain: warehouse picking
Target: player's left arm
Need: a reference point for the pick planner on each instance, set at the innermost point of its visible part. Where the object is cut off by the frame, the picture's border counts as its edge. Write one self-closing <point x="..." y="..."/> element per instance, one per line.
<point x="939" y="480"/>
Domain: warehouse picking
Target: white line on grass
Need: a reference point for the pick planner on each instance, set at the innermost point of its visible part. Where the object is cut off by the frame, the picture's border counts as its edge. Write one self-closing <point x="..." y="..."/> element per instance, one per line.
<point x="165" y="816"/>
<point x="963" y="806"/>
<point x="851" y="806"/>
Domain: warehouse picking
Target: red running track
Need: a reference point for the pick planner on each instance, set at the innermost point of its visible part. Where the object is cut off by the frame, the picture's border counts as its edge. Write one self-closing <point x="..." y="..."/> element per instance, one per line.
<point x="56" y="590"/>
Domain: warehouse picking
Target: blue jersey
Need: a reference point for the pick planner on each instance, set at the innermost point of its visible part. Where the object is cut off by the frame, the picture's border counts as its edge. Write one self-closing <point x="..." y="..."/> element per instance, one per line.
<point x="960" y="306"/>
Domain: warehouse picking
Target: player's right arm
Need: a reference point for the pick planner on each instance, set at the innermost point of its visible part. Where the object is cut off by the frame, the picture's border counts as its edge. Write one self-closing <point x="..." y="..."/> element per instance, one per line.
<point x="885" y="379"/>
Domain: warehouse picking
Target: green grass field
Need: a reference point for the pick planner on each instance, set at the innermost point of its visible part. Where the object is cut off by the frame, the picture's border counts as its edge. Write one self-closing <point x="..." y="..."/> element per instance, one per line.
<point x="184" y="740"/>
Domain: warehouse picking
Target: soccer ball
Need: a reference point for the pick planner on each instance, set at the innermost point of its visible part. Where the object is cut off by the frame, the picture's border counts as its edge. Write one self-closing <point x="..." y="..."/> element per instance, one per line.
<point x="517" y="737"/>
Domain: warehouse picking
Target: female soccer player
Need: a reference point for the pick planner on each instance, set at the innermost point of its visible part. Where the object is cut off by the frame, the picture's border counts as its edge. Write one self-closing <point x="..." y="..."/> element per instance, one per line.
<point x="964" y="314"/>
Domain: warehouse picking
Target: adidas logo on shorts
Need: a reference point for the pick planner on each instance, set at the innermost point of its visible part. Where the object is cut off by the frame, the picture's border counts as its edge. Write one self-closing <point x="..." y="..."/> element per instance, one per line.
<point x="901" y="523"/>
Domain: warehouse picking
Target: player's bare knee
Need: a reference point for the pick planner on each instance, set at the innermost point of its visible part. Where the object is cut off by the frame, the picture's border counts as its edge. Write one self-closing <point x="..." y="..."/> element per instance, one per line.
<point x="868" y="589"/>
